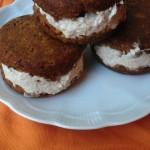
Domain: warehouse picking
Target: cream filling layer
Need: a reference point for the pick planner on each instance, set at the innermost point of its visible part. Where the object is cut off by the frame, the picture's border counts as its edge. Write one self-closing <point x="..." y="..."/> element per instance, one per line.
<point x="35" y="85"/>
<point x="133" y="60"/>
<point x="87" y="25"/>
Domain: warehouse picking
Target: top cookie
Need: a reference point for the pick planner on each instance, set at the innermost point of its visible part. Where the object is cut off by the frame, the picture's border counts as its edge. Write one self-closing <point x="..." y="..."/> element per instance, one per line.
<point x="135" y="30"/>
<point x="73" y="8"/>
<point x="25" y="47"/>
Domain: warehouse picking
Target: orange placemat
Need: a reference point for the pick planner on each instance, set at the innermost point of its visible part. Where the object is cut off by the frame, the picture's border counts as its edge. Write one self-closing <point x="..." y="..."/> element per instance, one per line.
<point x="17" y="133"/>
<point x="5" y="2"/>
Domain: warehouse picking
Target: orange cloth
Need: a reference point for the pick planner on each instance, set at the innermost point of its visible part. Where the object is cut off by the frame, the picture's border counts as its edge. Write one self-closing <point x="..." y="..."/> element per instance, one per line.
<point x="5" y="2"/>
<point x="17" y="133"/>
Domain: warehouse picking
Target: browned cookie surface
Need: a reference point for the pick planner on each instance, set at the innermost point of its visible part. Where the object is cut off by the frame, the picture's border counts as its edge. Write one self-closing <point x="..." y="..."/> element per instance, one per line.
<point x="135" y="29"/>
<point x="26" y="48"/>
<point x="73" y="8"/>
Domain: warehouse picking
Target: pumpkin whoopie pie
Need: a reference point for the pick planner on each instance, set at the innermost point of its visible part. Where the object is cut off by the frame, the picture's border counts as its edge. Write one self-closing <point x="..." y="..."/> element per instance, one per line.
<point x="128" y="50"/>
<point x="35" y="64"/>
<point x="80" y="21"/>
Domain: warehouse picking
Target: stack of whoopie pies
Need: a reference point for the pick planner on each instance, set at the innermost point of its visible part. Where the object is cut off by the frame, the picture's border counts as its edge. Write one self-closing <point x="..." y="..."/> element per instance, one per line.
<point x="42" y="54"/>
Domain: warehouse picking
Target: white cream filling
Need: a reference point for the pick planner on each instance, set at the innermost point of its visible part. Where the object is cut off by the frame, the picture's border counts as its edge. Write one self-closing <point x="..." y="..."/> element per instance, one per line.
<point x="112" y="57"/>
<point x="84" y="26"/>
<point x="35" y="85"/>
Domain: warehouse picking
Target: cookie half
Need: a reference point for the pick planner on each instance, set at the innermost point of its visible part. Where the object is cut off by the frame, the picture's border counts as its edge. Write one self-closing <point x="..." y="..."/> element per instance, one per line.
<point x="79" y="21"/>
<point x="128" y="50"/>
<point x="35" y="64"/>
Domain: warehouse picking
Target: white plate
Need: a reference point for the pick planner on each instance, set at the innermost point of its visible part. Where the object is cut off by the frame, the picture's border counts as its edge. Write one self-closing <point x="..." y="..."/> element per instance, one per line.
<point x="101" y="98"/>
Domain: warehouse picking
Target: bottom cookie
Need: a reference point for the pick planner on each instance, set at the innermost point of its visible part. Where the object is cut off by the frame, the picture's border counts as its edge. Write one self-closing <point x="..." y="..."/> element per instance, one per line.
<point x="38" y="87"/>
<point x="132" y="63"/>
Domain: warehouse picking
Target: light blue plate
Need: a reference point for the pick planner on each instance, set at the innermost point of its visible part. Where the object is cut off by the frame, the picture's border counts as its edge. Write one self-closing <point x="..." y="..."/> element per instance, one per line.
<point x="101" y="98"/>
